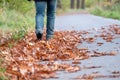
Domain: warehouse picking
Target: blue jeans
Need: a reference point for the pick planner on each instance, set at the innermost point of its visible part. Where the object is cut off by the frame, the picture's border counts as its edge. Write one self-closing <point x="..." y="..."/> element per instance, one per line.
<point x="40" y="12"/>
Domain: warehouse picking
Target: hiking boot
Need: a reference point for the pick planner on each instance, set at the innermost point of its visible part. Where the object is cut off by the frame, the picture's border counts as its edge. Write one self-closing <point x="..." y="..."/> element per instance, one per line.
<point x="39" y="36"/>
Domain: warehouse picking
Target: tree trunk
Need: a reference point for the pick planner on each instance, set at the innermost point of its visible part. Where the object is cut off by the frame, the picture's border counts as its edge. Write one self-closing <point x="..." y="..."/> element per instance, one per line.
<point x="72" y="4"/>
<point x="59" y="4"/>
<point x="83" y="4"/>
<point x="78" y="4"/>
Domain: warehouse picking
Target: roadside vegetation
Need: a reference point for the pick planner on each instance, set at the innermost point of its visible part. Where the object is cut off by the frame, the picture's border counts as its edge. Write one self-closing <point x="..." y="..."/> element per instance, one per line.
<point x="16" y="16"/>
<point x="106" y="9"/>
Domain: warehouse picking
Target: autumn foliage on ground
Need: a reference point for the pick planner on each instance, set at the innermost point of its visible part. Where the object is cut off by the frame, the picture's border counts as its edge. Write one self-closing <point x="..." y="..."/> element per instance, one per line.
<point x="30" y="59"/>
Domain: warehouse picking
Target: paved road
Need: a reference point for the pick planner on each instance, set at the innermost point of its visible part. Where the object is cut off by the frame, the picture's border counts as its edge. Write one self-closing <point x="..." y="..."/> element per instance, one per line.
<point x="82" y="22"/>
<point x="85" y="22"/>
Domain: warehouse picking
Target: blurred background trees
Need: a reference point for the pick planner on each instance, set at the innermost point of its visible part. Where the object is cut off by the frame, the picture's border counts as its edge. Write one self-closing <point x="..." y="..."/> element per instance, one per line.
<point x="24" y="5"/>
<point x="77" y="4"/>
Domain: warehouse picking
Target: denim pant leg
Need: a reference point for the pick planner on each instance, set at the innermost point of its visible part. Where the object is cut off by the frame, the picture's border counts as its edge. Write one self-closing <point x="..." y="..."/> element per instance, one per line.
<point x="40" y="11"/>
<point x="51" y="10"/>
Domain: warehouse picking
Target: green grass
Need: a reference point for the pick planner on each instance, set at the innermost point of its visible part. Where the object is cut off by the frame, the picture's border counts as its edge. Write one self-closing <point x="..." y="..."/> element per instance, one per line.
<point x="16" y="23"/>
<point x="109" y="12"/>
<point x="12" y="20"/>
<point x="16" y="16"/>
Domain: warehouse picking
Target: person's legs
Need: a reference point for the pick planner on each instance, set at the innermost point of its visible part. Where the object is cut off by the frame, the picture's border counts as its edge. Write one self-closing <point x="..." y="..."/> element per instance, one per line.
<point x="51" y="10"/>
<point x="40" y="11"/>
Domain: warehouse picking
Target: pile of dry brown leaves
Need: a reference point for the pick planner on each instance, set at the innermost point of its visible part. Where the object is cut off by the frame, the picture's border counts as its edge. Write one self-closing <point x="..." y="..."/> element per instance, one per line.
<point x="24" y="58"/>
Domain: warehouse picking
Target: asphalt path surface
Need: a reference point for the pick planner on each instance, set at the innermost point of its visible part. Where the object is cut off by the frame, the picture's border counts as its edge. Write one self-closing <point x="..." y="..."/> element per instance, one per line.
<point x="91" y="22"/>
